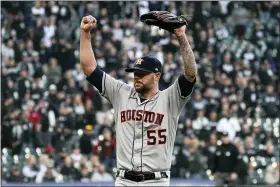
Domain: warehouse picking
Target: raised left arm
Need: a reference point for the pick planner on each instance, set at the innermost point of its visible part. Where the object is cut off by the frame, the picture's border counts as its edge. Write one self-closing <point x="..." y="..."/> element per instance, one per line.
<point x="190" y="69"/>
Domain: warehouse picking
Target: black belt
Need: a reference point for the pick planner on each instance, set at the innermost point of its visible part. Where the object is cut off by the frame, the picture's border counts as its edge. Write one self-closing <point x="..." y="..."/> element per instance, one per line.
<point x="141" y="176"/>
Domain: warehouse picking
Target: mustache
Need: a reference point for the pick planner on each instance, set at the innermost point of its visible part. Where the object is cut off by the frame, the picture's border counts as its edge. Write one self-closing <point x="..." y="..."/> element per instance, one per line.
<point x="136" y="81"/>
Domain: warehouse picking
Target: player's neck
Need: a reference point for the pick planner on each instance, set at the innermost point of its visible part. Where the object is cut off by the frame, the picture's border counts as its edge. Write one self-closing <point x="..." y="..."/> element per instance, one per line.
<point x="149" y="94"/>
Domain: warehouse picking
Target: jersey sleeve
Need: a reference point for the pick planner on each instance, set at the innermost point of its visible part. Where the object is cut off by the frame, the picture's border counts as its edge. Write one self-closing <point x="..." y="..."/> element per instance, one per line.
<point x="107" y="85"/>
<point x="178" y="94"/>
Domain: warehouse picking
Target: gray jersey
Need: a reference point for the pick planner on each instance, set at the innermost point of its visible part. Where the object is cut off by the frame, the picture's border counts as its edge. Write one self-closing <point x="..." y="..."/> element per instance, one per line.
<point x="145" y="132"/>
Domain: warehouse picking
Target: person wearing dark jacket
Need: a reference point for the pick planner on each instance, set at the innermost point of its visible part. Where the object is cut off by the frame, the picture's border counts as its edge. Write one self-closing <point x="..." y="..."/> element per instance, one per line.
<point x="210" y="150"/>
<point x="15" y="175"/>
<point x="86" y="140"/>
<point x="68" y="170"/>
<point x="243" y="166"/>
<point x="268" y="152"/>
<point x="225" y="162"/>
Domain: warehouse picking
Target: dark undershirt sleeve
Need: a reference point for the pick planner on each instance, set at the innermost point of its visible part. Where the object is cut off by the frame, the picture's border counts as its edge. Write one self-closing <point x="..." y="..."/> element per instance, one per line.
<point x="96" y="78"/>
<point x="185" y="86"/>
<point x="178" y="94"/>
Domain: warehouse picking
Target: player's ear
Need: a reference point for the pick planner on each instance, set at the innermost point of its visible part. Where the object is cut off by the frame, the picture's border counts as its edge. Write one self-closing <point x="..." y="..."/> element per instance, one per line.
<point x="157" y="76"/>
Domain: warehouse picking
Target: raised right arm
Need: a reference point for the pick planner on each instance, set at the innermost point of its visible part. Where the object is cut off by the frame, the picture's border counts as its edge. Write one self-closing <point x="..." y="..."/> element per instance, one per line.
<point x="107" y="85"/>
<point x="87" y="58"/>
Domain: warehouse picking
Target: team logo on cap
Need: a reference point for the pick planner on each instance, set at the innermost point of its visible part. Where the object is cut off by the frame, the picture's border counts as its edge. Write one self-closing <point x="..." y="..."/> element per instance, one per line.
<point x="139" y="61"/>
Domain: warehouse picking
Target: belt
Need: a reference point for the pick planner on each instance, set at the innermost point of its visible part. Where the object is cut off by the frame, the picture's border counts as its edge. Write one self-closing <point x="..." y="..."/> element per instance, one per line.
<point x="140" y="176"/>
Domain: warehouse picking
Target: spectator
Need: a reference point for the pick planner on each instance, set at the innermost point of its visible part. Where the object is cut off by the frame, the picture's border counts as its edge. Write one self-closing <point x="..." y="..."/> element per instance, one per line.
<point x="268" y="135"/>
<point x="245" y="131"/>
<point x="269" y="150"/>
<point x="106" y="148"/>
<point x="30" y="170"/>
<point x="51" y="153"/>
<point x="117" y="31"/>
<point x="256" y="131"/>
<point x="200" y="121"/>
<point x="90" y="113"/>
<point x="24" y="83"/>
<point x="194" y="159"/>
<point x="101" y="174"/>
<point x="76" y="157"/>
<point x="36" y="91"/>
<point x="72" y="87"/>
<point x="85" y="175"/>
<point x="266" y="74"/>
<point x="210" y="150"/>
<point x="26" y="64"/>
<point x="270" y="102"/>
<point x="40" y="138"/>
<point x="229" y="124"/>
<point x="251" y="95"/>
<point x="52" y="97"/>
<point x="49" y="31"/>
<point x="54" y="72"/>
<point x="225" y="162"/>
<point x="68" y="171"/>
<point x="242" y="167"/>
<point x="186" y="158"/>
<point x="198" y="102"/>
<point x="43" y="162"/>
<point x="227" y="66"/>
<point x="79" y="110"/>
<point x="66" y="112"/>
<point x="249" y="147"/>
<point x="7" y="50"/>
<point x="17" y="135"/>
<point x="38" y="9"/>
<point x="86" y="140"/>
<point x="272" y="174"/>
<point x="181" y="158"/>
<point x="65" y="55"/>
<point x="50" y="174"/>
<point x="78" y="74"/>
<point x="94" y="163"/>
<point x="15" y="175"/>
<point x="213" y="120"/>
<point x="57" y="136"/>
<point x="187" y="129"/>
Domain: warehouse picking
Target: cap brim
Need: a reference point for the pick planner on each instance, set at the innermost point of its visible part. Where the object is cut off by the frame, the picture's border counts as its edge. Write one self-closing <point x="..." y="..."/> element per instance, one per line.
<point x="136" y="69"/>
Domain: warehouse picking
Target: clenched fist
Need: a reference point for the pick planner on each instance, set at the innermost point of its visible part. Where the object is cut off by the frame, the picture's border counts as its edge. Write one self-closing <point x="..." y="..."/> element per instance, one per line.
<point x="88" y="23"/>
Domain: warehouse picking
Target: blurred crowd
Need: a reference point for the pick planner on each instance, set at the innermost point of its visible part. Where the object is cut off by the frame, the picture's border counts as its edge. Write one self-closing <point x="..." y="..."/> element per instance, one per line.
<point x="56" y="126"/>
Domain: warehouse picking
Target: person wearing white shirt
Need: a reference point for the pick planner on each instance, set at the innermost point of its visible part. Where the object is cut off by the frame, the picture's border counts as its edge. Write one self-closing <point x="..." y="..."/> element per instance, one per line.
<point x="30" y="170"/>
<point x="7" y="49"/>
<point x="229" y="124"/>
<point x="76" y="157"/>
<point x="272" y="174"/>
<point x="43" y="161"/>
<point x="101" y="174"/>
<point x="200" y="121"/>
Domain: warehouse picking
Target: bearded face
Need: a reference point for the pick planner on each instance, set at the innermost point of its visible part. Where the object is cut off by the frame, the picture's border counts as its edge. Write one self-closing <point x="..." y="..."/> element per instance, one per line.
<point x="144" y="81"/>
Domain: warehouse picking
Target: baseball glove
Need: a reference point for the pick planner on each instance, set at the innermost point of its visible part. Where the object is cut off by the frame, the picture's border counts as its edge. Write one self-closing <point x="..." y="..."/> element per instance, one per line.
<point x="164" y="20"/>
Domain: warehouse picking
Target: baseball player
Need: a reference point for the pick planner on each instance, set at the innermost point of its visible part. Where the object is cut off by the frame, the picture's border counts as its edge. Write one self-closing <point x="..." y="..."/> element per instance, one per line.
<point x="146" y="118"/>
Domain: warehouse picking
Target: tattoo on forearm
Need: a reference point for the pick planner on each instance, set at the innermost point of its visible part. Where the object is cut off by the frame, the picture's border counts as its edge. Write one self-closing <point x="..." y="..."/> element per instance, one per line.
<point x="188" y="58"/>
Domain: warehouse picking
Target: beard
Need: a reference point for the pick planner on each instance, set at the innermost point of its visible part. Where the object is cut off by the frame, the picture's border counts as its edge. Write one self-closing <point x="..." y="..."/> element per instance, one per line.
<point x="142" y="88"/>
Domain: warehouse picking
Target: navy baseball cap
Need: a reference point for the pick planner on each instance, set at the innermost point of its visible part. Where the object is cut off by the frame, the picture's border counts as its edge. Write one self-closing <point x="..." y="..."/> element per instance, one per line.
<point x="146" y="63"/>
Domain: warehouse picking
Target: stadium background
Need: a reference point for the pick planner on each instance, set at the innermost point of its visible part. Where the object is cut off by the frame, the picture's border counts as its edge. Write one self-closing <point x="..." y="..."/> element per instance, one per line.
<point x="55" y="127"/>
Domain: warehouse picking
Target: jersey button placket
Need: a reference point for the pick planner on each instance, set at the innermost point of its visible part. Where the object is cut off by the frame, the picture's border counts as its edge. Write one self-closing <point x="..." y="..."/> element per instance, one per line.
<point x="138" y="143"/>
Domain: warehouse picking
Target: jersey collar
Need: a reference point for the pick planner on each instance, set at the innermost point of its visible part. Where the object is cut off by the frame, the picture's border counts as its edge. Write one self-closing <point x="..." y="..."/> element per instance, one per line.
<point x="135" y="95"/>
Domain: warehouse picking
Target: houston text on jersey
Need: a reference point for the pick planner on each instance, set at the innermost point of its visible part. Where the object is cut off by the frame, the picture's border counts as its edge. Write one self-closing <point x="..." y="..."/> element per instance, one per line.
<point x="139" y="115"/>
